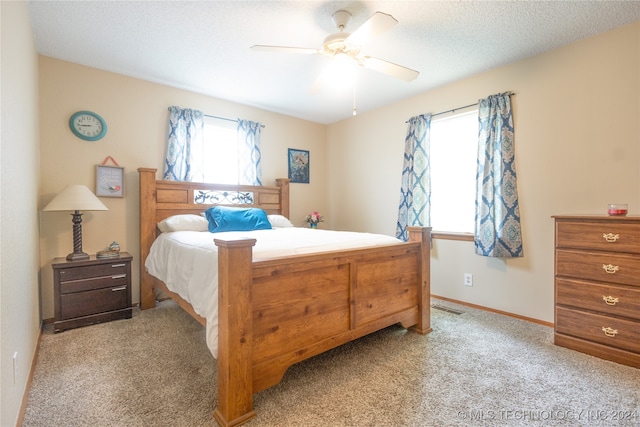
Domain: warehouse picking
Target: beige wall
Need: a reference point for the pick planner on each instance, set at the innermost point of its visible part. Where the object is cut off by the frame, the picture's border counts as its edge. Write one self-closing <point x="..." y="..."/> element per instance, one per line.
<point x="19" y="181"/>
<point x="136" y="115"/>
<point x="577" y="149"/>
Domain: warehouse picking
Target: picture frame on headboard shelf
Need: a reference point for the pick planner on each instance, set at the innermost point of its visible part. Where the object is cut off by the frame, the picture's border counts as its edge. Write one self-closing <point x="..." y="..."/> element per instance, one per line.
<point x="109" y="181"/>
<point x="298" y="161"/>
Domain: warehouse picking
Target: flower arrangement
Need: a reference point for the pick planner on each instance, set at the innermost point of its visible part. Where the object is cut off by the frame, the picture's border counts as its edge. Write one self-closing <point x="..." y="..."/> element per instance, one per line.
<point x="314" y="218"/>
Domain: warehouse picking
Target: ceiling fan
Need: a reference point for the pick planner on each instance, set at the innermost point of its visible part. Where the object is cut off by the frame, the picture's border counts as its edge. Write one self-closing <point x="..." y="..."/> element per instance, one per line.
<point x="343" y="44"/>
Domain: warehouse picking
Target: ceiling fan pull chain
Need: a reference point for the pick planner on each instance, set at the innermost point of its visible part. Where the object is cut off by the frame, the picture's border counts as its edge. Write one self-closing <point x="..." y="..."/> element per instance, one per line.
<point x="355" y="109"/>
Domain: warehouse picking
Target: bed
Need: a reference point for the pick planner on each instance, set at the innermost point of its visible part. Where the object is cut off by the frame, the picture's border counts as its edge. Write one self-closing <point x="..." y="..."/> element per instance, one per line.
<point x="274" y="312"/>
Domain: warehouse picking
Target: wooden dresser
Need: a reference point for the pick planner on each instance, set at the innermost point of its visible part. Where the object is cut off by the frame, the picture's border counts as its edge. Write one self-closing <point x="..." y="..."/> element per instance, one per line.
<point x="597" y="286"/>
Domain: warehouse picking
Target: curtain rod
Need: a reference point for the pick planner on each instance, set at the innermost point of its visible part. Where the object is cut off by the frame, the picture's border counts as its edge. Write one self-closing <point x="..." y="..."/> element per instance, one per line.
<point x="220" y="118"/>
<point x="225" y="118"/>
<point x="453" y="110"/>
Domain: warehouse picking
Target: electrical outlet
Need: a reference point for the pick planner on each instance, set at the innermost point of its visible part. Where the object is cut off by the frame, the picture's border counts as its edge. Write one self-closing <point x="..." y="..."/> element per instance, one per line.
<point x="468" y="279"/>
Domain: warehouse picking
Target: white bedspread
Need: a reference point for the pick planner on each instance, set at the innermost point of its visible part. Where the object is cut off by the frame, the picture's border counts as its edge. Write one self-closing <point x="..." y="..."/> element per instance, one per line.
<point x="186" y="261"/>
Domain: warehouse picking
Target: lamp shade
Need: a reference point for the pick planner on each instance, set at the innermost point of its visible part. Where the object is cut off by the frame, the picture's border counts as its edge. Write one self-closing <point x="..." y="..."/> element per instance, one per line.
<point x="75" y="198"/>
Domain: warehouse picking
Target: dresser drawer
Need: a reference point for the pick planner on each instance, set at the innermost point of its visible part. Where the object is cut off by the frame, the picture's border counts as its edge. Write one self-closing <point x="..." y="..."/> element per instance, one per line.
<point x="610" y="236"/>
<point x="93" y="284"/>
<point x="599" y="266"/>
<point x="89" y="271"/>
<point x="607" y="299"/>
<point x="93" y="302"/>
<point x="609" y="331"/>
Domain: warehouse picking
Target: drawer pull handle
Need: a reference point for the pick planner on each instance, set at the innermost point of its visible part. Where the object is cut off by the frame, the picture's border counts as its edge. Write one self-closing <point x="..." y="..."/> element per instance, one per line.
<point x="610" y="332"/>
<point x="610" y="269"/>
<point x="119" y="276"/>
<point x="117" y="265"/>
<point x="610" y="237"/>
<point x="610" y="300"/>
<point x="121" y="288"/>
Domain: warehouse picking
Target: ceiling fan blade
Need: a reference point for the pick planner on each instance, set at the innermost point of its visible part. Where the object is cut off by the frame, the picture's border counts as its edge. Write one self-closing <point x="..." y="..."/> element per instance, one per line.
<point x="377" y="24"/>
<point x="389" y="68"/>
<point x="285" y="49"/>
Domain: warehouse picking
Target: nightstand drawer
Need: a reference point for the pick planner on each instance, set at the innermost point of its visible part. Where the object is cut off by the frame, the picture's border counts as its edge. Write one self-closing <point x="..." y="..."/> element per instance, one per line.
<point x="610" y="331"/>
<point x="599" y="267"/>
<point x="93" y="302"/>
<point x="601" y="236"/>
<point x="86" y="272"/>
<point x="607" y="299"/>
<point x="93" y="284"/>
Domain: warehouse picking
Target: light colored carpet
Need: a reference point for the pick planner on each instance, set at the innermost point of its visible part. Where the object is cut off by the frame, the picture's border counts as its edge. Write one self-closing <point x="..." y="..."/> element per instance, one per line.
<point x="476" y="368"/>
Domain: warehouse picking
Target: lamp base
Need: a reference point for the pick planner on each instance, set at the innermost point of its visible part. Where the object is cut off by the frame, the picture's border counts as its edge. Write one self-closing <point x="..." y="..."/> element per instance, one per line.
<point x="77" y="256"/>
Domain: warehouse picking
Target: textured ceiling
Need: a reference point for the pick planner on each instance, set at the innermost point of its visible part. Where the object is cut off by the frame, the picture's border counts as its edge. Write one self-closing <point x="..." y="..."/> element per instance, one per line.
<point x="203" y="46"/>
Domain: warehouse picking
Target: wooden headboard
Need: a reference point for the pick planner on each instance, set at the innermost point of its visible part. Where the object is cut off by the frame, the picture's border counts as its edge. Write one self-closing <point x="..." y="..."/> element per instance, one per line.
<point x="161" y="199"/>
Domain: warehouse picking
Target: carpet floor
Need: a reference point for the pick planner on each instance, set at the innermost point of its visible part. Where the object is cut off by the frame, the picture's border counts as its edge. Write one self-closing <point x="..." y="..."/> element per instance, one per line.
<point x="476" y="368"/>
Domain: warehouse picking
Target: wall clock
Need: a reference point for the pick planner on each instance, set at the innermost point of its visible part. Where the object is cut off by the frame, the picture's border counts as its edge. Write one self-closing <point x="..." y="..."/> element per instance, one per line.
<point x="88" y="125"/>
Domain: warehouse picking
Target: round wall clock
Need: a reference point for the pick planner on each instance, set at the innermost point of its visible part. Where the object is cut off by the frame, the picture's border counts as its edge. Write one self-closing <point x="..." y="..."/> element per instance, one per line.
<point x="88" y="125"/>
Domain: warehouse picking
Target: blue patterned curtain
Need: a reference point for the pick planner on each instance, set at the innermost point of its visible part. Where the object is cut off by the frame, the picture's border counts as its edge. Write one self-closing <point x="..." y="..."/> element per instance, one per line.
<point x="497" y="221"/>
<point x="249" y="157"/>
<point x="415" y="191"/>
<point x="185" y="145"/>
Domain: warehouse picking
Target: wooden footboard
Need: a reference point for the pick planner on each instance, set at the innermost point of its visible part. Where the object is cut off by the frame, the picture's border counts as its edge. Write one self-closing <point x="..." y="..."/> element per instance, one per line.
<point x="273" y="313"/>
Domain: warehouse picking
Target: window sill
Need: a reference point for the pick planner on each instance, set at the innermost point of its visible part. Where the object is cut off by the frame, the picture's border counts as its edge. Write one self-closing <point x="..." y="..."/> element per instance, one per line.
<point x="449" y="235"/>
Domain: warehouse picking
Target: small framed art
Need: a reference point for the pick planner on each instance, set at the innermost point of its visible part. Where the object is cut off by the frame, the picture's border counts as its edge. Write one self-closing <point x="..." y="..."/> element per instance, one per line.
<point x="109" y="181"/>
<point x="298" y="161"/>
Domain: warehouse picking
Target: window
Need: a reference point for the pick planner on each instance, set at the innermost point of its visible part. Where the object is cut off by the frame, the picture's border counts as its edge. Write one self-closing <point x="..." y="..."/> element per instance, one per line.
<point x="220" y="152"/>
<point x="454" y="145"/>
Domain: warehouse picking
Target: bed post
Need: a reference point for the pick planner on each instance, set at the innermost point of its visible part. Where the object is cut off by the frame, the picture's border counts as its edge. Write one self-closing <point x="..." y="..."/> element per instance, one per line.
<point x="147" y="234"/>
<point x="235" y="336"/>
<point x="423" y="235"/>
<point x="283" y="183"/>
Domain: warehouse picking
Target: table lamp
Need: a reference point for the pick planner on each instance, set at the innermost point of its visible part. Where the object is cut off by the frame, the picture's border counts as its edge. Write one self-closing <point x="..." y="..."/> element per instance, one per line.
<point x="76" y="198"/>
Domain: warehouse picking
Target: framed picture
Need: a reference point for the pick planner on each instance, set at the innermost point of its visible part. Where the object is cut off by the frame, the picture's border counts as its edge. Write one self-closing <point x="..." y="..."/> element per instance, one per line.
<point x="109" y="181"/>
<point x="298" y="161"/>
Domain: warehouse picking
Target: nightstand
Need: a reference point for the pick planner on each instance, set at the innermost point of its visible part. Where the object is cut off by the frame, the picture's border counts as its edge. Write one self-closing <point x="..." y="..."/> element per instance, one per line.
<point x="91" y="291"/>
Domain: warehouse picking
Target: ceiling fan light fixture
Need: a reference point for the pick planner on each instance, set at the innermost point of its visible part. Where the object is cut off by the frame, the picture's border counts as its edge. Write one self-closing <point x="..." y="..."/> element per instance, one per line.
<point x="337" y="43"/>
<point x="341" y="72"/>
<point x="344" y="60"/>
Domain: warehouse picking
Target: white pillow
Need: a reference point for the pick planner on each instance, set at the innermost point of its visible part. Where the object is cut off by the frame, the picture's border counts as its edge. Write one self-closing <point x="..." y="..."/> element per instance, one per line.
<point x="279" y="221"/>
<point x="184" y="222"/>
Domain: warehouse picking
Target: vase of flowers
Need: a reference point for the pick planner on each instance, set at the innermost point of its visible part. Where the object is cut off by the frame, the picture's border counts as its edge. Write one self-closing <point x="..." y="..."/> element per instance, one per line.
<point x="313" y="219"/>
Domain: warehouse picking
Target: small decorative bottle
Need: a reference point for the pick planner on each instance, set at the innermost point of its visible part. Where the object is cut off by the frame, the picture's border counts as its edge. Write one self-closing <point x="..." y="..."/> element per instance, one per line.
<point x="114" y="247"/>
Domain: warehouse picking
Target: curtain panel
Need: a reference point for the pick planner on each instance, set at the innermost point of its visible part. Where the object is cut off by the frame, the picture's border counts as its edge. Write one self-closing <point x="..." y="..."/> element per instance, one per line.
<point x="183" y="161"/>
<point x="415" y="191"/>
<point x="249" y="156"/>
<point x="497" y="220"/>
